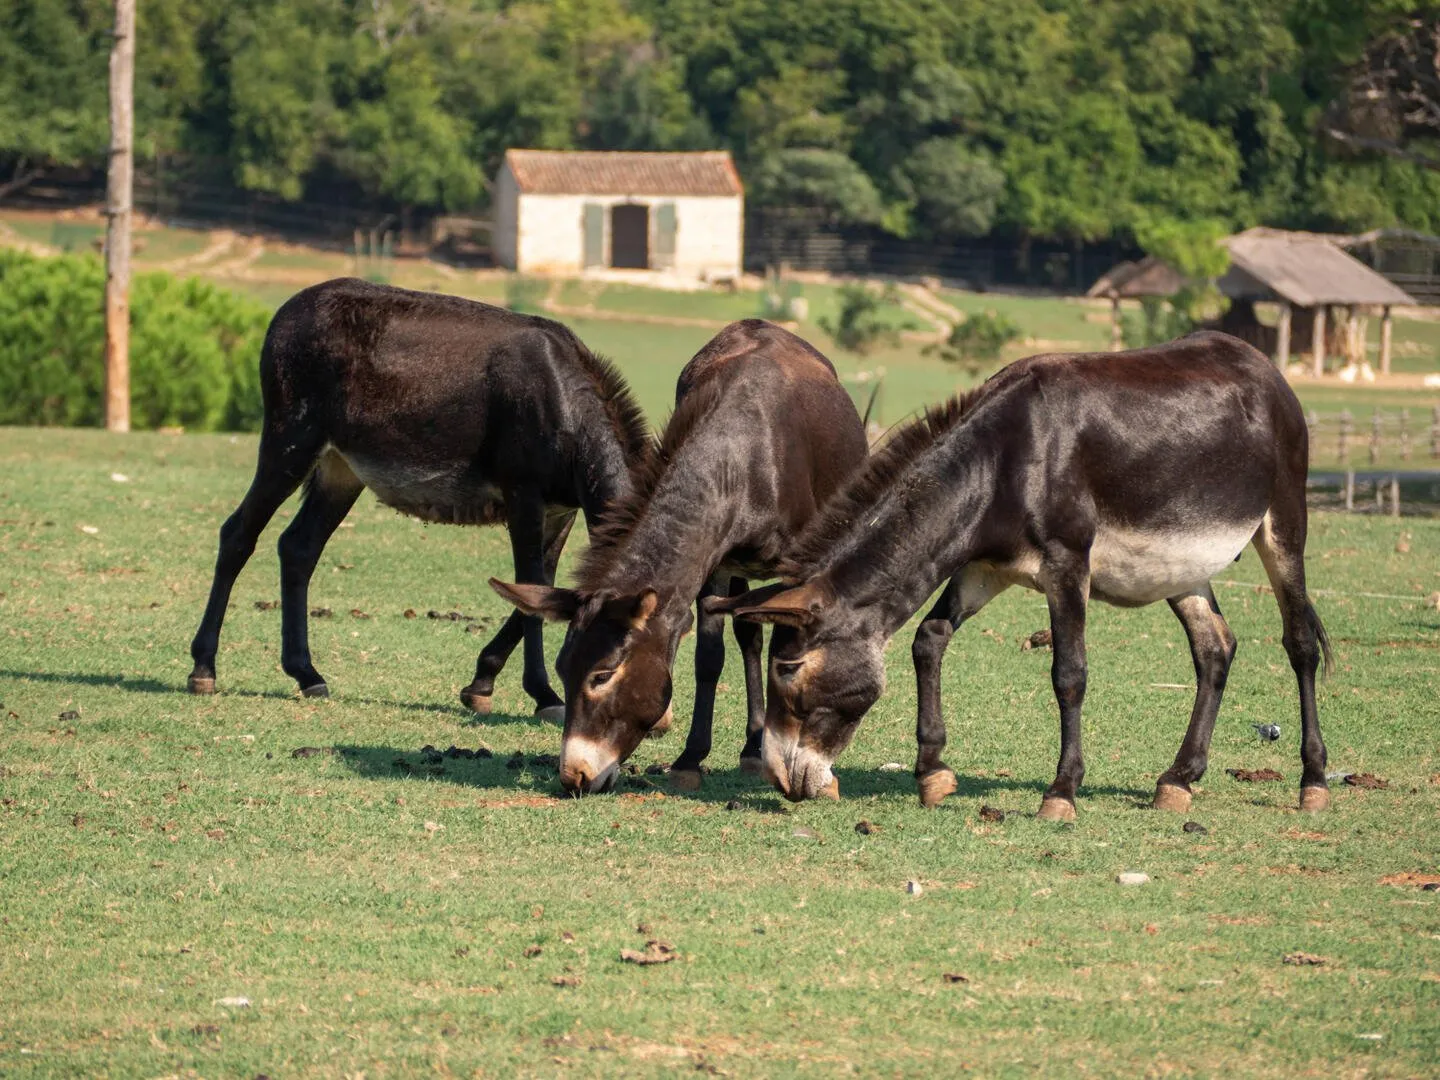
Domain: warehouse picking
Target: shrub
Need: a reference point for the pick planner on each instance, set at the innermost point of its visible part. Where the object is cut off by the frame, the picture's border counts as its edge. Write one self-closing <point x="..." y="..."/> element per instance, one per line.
<point x="861" y="324"/>
<point x="194" y="347"/>
<point x="977" y="341"/>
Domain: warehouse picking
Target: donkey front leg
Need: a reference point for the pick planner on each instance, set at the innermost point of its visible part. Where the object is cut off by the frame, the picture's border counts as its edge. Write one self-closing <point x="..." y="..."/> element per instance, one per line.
<point x="968" y="592"/>
<point x="1067" y="594"/>
<point x="1212" y="646"/>
<point x="751" y="639"/>
<point x="491" y="662"/>
<point x="709" y="663"/>
<point x="526" y="513"/>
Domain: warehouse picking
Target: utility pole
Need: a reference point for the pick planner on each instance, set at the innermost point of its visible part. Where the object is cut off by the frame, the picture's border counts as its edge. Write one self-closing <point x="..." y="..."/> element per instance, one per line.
<point x="119" y="191"/>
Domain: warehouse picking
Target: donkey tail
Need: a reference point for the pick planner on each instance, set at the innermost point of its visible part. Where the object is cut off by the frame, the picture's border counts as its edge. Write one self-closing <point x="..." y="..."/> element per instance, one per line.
<point x="1316" y="625"/>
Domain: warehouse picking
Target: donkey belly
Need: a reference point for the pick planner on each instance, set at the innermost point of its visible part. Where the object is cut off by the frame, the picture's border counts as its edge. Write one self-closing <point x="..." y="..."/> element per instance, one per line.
<point x="1133" y="567"/>
<point x="430" y="493"/>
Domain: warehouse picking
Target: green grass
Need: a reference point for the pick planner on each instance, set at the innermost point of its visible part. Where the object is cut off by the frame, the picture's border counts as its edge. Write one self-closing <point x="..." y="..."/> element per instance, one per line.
<point x="163" y="852"/>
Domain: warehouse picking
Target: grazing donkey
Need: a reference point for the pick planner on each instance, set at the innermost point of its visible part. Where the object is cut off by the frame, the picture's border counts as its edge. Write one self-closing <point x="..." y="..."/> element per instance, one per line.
<point x="1127" y="477"/>
<point x="451" y="411"/>
<point x="762" y="434"/>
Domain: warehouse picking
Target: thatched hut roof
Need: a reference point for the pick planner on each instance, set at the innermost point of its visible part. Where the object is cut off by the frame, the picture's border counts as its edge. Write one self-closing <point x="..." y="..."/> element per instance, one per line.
<point x="1305" y="269"/>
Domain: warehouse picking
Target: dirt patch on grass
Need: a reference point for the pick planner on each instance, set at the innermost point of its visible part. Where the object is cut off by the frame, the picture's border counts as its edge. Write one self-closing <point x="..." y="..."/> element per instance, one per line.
<point x="1410" y="879"/>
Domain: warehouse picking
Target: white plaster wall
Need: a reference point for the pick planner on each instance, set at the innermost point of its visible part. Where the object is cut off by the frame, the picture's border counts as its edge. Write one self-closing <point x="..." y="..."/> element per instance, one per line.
<point x="550" y="231"/>
<point x="503" y="238"/>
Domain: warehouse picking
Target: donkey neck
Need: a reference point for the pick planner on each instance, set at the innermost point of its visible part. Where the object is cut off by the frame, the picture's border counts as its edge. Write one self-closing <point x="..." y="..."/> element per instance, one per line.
<point x="919" y="531"/>
<point x="684" y="530"/>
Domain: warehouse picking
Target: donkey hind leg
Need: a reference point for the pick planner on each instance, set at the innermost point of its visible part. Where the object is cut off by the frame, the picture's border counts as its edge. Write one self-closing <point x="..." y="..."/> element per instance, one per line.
<point x="284" y="460"/>
<point x="1281" y="546"/>
<point x="329" y="495"/>
<point x="966" y="594"/>
<point x="751" y="639"/>
<point x="1067" y="594"/>
<point x="1212" y="646"/>
<point x="493" y="656"/>
<point x="709" y="662"/>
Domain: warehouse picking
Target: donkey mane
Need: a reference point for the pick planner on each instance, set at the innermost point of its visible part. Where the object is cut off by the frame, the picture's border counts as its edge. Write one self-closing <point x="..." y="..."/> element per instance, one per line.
<point x="625" y="415"/>
<point x="622" y="517"/>
<point x="835" y="519"/>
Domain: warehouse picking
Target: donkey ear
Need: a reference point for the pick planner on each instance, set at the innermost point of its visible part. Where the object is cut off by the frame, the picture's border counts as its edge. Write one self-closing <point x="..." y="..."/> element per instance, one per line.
<point x="798" y="607"/>
<point x="556" y="605"/>
<point x="644" y="606"/>
<point x="727" y="605"/>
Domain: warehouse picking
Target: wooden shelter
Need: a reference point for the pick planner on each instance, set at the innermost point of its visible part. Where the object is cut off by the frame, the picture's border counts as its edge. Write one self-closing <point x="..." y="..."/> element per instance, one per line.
<point x="1148" y="277"/>
<point x="1406" y="258"/>
<point x="1307" y="271"/>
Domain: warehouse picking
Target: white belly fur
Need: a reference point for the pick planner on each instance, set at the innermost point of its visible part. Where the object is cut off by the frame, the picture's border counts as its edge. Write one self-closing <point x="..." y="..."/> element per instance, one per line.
<point x="1142" y="567"/>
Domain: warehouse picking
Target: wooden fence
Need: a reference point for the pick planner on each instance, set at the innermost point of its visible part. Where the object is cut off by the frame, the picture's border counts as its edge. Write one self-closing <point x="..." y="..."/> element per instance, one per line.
<point x="1345" y="442"/>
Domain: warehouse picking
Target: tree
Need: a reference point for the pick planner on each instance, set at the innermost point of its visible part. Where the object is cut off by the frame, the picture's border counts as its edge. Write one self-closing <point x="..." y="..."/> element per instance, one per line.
<point x="954" y="187"/>
<point x="825" y="182"/>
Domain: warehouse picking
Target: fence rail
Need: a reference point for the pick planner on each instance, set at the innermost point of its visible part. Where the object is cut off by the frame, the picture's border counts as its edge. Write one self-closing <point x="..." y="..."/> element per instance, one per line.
<point x="1365" y="457"/>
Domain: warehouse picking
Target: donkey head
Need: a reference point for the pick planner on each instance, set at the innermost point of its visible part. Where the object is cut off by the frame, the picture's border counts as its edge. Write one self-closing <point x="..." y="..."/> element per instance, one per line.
<point x="615" y="665"/>
<point x="826" y="670"/>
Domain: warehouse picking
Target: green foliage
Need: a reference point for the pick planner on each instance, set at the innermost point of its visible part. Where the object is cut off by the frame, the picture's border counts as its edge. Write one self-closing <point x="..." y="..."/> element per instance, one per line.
<point x="1073" y="119"/>
<point x="978" y="341"/>
<point x="526" y="294"/>
<point x="861" y="326"/>
<point x="824" y="182"/>
<point x="194" y="347"/>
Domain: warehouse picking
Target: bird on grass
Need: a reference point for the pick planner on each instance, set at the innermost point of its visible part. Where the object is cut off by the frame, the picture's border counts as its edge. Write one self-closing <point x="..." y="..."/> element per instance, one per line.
<point x="1268" y="732"/>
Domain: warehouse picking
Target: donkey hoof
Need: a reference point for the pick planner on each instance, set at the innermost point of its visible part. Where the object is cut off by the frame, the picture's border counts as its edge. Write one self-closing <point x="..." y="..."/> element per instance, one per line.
<point x="685" y="779"/>
<point x="1171" y="797"/>
<point x="1054" y="808"/>
<point x="1314" y="799"/>
<point x="318" y="690"/>
<point x="555" y="714"/>
<point x="935" y="786"/>
<point x="750" y="763"/>
<point x="201" y="684"/>
<point x="475" y="702"/>
<point x="830" y="790"/>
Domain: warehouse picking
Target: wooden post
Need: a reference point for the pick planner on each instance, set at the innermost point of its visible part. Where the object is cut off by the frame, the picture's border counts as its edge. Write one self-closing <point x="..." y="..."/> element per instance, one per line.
<point x="1349" y="489"/>
<point x="1117" y="339"/>
<point x="1282" y="346"/>
<point x="1435" y="432"/>
<point x="119" y="190"/>
<point x="1318" y="359"/>
<point x="1404" y="434"/>
<point x="1394" y="496"/>
<point x="1376" y="434"/>
<point x="1346" y="425"/>
<point x="1385" y="330"/>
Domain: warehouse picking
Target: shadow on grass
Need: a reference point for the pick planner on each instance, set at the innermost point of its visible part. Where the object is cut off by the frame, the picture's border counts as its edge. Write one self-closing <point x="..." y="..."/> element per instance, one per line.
<point x="536" y="774"/>
<point x="146" y="685"/>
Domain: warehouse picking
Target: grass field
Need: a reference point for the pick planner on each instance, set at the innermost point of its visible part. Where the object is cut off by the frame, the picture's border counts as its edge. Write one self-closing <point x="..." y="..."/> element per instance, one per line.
<point x="161" y="854"/>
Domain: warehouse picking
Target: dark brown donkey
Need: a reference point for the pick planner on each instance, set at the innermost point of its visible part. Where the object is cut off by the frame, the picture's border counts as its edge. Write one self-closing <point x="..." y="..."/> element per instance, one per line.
<point x="762" y="434"/>
<point x="1127" y="477"/>
<point x="450" y="411"/>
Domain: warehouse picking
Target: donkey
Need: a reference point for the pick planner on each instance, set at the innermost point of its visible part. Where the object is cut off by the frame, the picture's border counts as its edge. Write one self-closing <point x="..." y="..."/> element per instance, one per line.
<point x="761" y="435"/>
<point x="450" y="411"/>
<point x="1127" y="477"/>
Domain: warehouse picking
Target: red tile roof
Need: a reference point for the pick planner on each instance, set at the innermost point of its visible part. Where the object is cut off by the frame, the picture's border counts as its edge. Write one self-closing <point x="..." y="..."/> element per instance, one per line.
<point x="585" y="172"/>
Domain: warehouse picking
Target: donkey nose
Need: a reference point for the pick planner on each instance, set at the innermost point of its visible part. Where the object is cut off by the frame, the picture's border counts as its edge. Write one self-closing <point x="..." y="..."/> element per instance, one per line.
<point x="587" y="767"/>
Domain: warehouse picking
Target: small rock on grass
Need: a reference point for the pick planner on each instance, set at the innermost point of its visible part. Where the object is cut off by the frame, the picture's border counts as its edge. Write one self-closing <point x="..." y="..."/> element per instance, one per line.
<point x="565" y="980"/>
<point x="1195" y="827"/>
<point x="914" y="888"/>
<point x="733" y="804"/>
<point x="802" y="833"/>
<point x="892" y="766"/>
<point x="69" y="715"/>
<point x="233" y="1002"/>
<point x="1132" y="877"/>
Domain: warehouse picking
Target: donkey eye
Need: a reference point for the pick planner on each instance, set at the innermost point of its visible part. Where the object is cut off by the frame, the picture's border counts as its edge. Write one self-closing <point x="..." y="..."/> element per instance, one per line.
<point x="600" y="678"/>
<point x="786" y="668"/>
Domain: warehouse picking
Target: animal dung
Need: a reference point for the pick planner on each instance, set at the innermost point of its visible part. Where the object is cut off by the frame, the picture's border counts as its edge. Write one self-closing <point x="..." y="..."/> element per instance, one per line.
<point x="734" y="804"/>
<point x="1303" y="959"/>
<point x="1366" y="780"/>
<point x="1195" y="827"/>
<point x="991" y="813"/>
<point x="655" y="952"/>
<point x="1254" y="776"/>
<point x="955" y="977"/>
<point x="1132" y="877"/>
<point x="1040" y="639"/>
<point x="70" y="715"/>
<point x="321" y="613"/>
<point x="866" y="828"/>
<point x="311" y="751"/>
<point x="266" y="605"/>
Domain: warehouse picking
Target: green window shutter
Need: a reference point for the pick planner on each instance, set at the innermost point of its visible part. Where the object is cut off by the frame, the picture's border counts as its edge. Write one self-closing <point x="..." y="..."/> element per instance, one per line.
<point x="666" y="226"/>
<point x="594" y="228"/>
